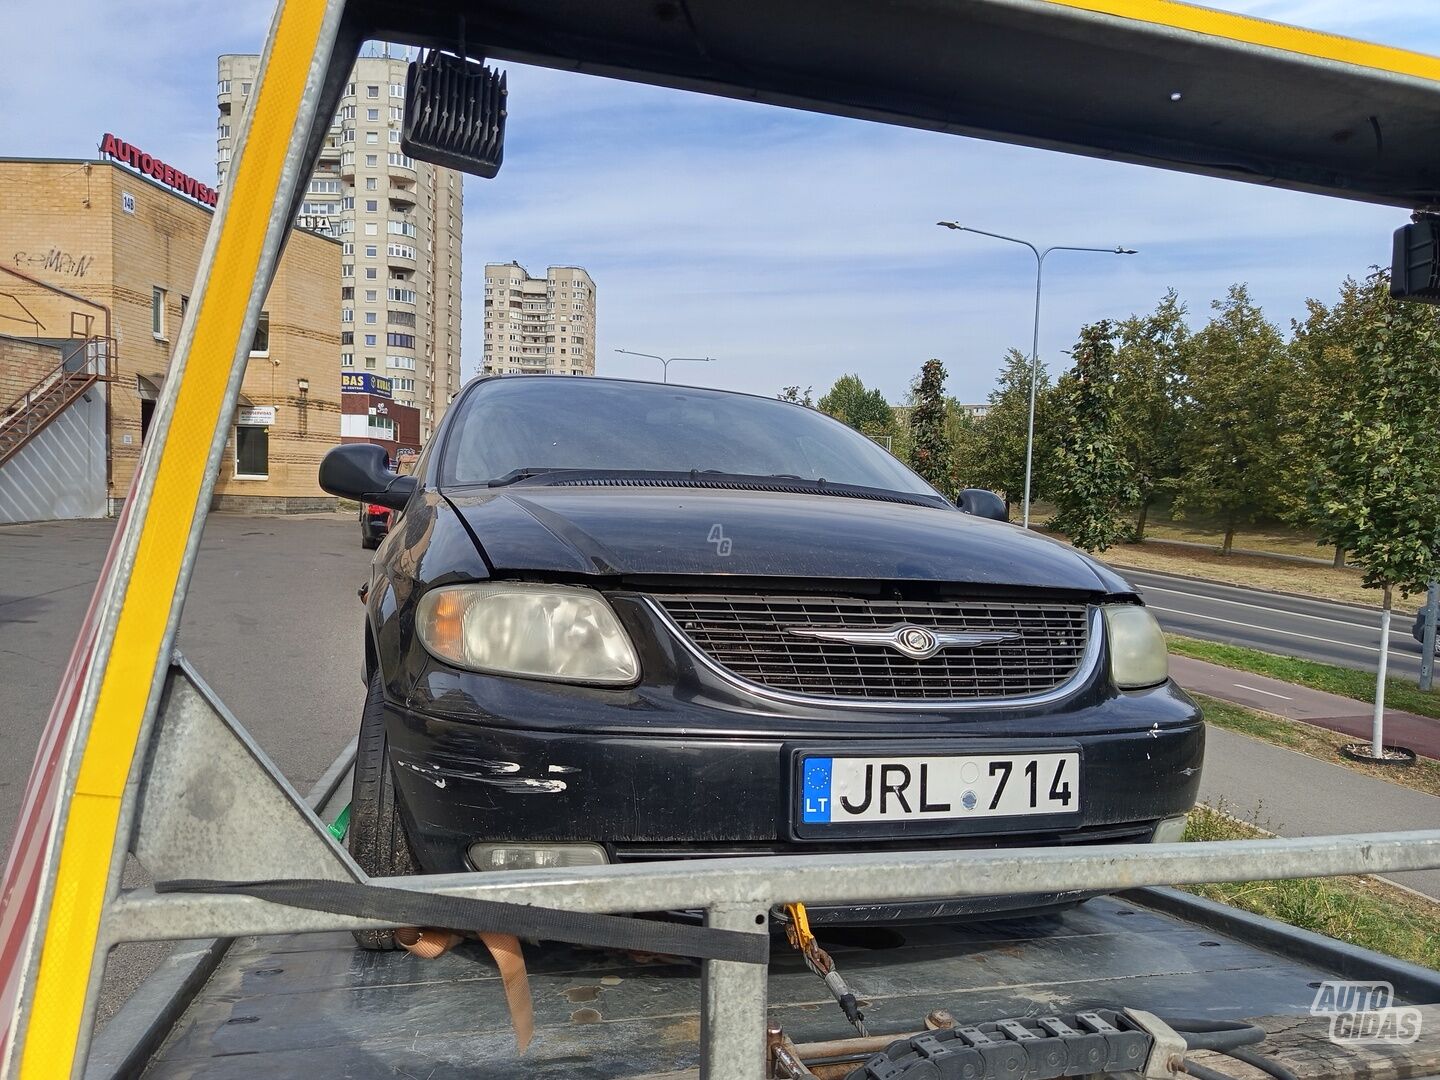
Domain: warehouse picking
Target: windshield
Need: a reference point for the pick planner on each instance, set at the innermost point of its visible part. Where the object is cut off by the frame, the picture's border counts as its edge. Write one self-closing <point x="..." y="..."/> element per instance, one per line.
<point x="554" y="422"/>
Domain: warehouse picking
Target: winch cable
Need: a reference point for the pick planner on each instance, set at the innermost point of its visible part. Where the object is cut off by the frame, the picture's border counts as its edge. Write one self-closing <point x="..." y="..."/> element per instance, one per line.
<point x="797" y="931"/>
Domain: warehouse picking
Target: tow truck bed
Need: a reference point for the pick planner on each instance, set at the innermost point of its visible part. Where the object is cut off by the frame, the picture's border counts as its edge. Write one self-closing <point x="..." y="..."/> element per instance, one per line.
<point x="314" y="1006"/>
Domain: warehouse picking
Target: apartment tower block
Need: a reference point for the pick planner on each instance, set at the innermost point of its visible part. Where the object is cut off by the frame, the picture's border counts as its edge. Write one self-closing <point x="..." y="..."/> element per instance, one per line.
<point x="399" y="223"/>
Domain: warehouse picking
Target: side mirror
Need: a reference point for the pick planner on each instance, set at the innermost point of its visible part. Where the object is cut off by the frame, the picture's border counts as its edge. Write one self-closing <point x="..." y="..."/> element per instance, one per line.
<point x="360" y="471"/>
<point x="979" y="502"/>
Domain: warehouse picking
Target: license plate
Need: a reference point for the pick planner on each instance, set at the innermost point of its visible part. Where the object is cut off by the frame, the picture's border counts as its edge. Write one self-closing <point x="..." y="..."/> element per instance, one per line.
<point x="852" y="790"/>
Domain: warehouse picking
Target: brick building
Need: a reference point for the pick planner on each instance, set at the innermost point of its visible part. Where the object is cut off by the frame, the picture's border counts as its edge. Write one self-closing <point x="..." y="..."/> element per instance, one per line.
<point x="369" y="414"/>
<point x="95" y="249"/>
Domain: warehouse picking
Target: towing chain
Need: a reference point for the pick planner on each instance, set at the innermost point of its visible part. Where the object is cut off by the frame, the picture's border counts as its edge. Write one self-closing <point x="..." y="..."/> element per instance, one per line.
<point x="797" y="931"/>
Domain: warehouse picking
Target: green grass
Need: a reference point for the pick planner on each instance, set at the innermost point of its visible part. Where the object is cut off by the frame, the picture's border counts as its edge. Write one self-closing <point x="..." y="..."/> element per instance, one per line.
<point x="1317" y="742"/>
<point x="1347" y="682"/>
<point x="1360" y="910"/>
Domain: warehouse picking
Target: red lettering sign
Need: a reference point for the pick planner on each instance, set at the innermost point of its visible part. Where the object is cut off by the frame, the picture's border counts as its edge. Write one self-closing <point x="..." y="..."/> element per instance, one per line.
<point x="120" y="150"/>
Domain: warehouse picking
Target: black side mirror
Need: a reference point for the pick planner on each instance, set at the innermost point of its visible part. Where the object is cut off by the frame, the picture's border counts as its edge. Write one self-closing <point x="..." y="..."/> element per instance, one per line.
<point x="360" y="471"/>
<point x="975" y="501"/>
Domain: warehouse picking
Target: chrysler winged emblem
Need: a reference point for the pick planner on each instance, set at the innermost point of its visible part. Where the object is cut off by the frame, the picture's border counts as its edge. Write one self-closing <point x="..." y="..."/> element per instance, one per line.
<point x="916" y="642"/>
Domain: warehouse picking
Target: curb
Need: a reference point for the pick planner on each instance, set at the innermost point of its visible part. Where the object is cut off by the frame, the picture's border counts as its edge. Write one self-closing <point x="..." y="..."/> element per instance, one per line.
<point x="123" y="1048"/>
<point x="1411" y="981"/>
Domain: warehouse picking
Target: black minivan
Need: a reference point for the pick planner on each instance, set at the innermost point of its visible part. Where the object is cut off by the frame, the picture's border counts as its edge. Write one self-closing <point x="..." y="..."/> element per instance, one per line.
<point x="618" y="621"/>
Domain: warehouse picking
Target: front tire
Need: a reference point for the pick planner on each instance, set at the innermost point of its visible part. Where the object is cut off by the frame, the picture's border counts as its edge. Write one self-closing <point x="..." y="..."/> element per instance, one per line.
<point x="377" y="837"/>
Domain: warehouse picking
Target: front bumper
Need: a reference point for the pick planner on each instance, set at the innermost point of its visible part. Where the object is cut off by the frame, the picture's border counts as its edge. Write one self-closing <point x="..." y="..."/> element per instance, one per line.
<point x="707" y="793"/>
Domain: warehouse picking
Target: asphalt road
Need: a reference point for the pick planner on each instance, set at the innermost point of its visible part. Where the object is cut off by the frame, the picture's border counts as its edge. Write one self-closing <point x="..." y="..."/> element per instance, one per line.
<point x="272" y="623"/>
<point x="1321" y="630"/>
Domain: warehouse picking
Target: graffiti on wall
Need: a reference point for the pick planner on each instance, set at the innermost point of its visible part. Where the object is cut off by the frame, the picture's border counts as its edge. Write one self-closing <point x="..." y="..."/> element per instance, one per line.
<point x="55" y="261"/>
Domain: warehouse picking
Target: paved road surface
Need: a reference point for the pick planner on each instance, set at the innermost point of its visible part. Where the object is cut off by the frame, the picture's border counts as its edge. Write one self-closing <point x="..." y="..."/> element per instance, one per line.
<point x="1295" y="626"/>
<point x="1296" y="795"/>
<point x="272" y="622"/>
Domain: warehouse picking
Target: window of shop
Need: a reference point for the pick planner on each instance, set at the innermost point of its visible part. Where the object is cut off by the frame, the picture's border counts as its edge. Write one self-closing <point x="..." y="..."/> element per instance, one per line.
<point x="261" y="345"/>
<point x="157" y="311"/>
<point x="252" y="453"/>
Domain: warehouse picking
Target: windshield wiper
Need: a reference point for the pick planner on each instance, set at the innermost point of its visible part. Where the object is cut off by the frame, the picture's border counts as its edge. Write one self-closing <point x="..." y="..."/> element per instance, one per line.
<point x="519" y="474"/>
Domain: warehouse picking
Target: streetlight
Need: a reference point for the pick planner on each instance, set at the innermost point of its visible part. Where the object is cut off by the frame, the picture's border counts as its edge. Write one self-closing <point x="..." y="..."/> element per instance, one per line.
<point x="666" y="361"/>
<point x="1035" y="340"/>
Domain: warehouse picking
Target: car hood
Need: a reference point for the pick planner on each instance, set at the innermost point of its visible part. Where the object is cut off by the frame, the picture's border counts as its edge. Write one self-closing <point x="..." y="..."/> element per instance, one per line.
<point x="619" y="530"/>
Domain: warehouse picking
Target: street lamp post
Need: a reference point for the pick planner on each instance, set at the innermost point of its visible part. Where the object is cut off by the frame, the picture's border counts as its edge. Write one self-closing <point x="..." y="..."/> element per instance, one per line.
<point x="666" y="361"/>
<point x="1035" y="337"/>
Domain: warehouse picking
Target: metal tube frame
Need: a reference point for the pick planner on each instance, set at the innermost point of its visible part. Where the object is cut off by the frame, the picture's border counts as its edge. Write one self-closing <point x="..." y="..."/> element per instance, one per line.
<point x="735" y="893"/>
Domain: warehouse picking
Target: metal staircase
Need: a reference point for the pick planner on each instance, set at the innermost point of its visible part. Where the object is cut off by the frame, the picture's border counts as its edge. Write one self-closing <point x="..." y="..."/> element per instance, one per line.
<point x="88" y="361"/>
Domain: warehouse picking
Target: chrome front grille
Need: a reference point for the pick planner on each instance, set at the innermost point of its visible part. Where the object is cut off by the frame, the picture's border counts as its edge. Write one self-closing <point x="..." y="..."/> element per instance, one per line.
<point x="749" y="636"/>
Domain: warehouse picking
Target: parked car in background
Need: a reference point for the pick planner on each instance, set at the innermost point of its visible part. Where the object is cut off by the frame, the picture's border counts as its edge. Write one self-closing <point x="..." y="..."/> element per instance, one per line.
<point x="1418" y="631"/>
<point x="624" y="621"/>
<point x="374" y="518"/>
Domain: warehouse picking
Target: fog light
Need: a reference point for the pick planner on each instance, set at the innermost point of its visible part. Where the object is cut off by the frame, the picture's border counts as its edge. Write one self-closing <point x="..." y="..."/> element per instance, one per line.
<point x="535" y="856"/>
<point x="1170" y="831"/>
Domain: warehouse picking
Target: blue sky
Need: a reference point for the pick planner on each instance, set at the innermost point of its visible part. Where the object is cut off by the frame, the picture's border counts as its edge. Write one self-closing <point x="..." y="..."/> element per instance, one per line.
<point x="793" y="248"/>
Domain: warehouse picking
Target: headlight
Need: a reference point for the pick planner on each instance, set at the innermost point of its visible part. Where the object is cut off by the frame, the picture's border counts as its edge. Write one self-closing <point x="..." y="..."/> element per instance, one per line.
<point x="535" y="631"/>
<point x="1138" y="656"/>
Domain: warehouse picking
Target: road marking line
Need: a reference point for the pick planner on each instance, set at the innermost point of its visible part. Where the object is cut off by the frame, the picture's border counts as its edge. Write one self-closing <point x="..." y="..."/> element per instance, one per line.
<point x="1266" y="629"/>
<point x="1267" y="693"/>
<point x="1261" y="607"/>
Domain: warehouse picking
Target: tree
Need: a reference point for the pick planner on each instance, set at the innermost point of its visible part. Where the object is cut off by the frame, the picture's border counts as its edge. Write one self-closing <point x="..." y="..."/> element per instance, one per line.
<point x="1236" y="377"/>
<point x="1149" y="382"/>
<point x="962" y="434"/>
<point x="1322" y="350"/>
<point x="866" y="411"/>
<point x="929" y="450"/>
<point x="795" y="394"/>
<point x="999" y="462"/>
<point x="1378" y="492"/>
<point x="1092" y="480"/>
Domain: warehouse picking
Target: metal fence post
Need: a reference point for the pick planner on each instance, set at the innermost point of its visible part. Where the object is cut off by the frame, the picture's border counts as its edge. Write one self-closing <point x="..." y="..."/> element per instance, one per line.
<point x="1427" y="645"/>
<point x="733" y="1002"/>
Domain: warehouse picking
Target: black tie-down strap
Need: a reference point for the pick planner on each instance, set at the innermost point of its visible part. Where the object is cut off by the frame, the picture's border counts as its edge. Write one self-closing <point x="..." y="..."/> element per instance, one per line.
<point x="406" y="907"/>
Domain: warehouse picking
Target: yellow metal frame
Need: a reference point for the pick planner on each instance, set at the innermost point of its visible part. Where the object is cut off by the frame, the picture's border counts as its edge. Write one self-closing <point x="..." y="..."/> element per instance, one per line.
<point x="1248" y="30"/>
<point x="143" y="593"/>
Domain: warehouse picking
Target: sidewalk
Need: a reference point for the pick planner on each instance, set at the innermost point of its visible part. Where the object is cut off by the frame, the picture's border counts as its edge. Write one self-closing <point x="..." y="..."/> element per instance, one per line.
<point x="1293" y="794"/>
<point x="1419" y="733"/>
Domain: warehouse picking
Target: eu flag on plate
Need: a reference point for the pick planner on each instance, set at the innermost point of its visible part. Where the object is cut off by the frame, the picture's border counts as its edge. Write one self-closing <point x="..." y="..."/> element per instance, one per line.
<point x="815" y="790"/>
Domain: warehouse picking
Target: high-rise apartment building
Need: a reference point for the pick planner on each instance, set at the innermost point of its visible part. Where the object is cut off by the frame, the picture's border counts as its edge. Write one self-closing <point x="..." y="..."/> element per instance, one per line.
<point x="399" y="223"/>
<point x="539" y="325"/>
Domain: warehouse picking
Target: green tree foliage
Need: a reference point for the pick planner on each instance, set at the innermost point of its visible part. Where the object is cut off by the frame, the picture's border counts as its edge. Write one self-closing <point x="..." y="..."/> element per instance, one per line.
<point x="1149" y="385"/>
<point x="1092" y="479"/>
<point x="929" y="448"/>
<point x="1377" y="492"/>
<point x="1236" y="379"/>
<point x="866" y="411"/>
<point x="999" y="459"/>
<point x="1322" y="350"/>
<point x="798" y="396"/>
<point x="962" y="433"/>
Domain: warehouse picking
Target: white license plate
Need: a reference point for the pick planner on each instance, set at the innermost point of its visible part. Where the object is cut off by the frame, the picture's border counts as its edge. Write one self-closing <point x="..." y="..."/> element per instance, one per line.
<point x="840" y="790"/>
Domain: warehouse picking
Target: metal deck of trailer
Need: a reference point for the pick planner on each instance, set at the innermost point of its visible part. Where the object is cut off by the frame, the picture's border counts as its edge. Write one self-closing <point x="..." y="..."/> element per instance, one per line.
<point x="315" y="1006"/>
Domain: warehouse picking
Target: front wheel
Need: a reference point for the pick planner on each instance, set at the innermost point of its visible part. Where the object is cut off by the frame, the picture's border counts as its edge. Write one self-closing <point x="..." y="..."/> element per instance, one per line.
<point x="377" y="837"/>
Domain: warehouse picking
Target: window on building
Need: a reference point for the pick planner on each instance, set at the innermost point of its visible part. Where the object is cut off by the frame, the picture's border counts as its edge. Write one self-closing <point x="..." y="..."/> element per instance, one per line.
<point x="260" y="346"/>
<point x="404" y="341"/>
<point x="371" y="295"/>
<point x="394" y="136"/>
<point x="397" y="90"/>
<point x="371" y="250"/>
<point x="347" y="269"/>
<point x="370" y="272"/>
<point x="370" y="360"/>
<point x="347" y="314"/>
<point x="224" y="86"/>
<point x="372" y="138"/>
<point x="372" y="91"/>
<point x="252" y="452"/>
<point x="371" y="160"/>
<point x="372" y="205"/>
<point x="347" y="359"/>
<point x="370" y="317"/>
<point x="157" y="311"/>
<point x="347" y="337"/>
<point x="372" y="114"/>
<point x="184" y="307"/>
<point x="245" y="89"/>
<point x="371" y="184"/>
<point x="370" y="340"/>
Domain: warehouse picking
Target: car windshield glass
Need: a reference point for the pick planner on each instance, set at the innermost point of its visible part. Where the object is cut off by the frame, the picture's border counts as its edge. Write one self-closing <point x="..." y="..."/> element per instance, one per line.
<point x="514" y="424"/>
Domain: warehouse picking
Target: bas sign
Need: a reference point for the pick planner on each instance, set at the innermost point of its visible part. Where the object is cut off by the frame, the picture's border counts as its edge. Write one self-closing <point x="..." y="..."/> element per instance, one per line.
<point x="362" y="382"/>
